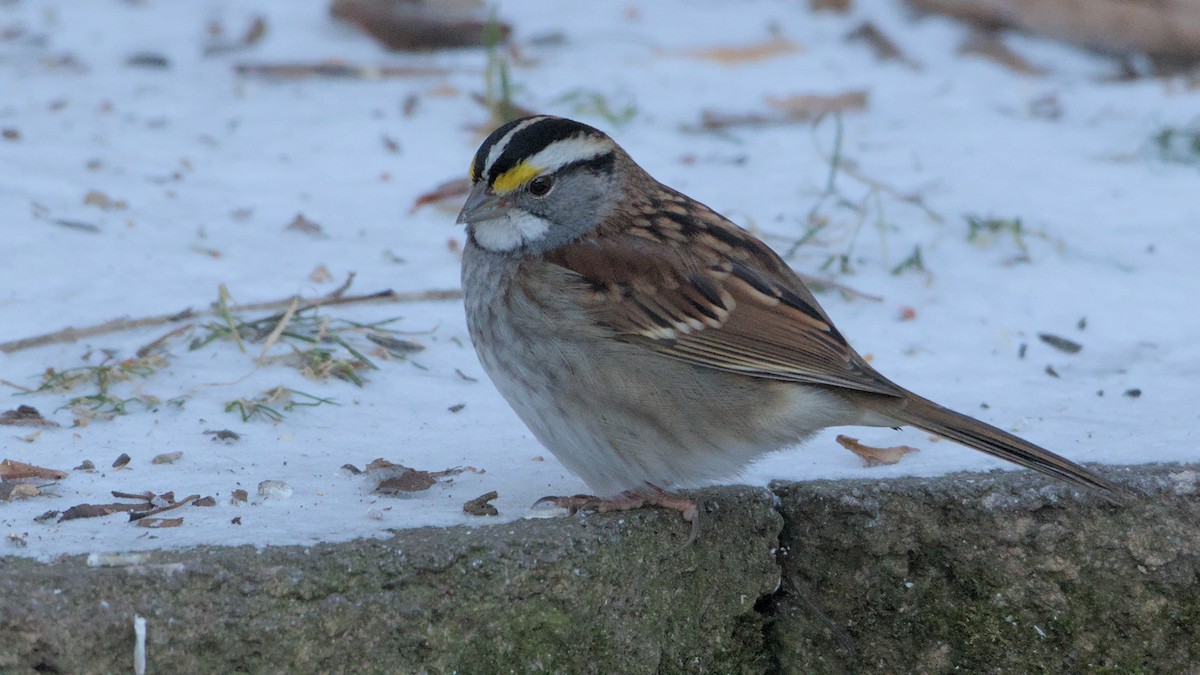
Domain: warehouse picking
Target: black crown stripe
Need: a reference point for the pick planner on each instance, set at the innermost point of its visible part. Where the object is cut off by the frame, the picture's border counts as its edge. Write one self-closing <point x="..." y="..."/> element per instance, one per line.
<point x="532" y="140"/>
<point x="477" y="164"/>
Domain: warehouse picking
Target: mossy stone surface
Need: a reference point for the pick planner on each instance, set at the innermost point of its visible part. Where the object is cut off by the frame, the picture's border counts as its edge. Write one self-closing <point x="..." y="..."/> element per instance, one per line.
<point x="611" y="593"/>
<point x="999" y="573"/>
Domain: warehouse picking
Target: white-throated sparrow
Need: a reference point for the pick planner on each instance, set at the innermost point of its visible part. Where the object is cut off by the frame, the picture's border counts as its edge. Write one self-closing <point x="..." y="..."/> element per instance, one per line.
<point x="650" y="343"/>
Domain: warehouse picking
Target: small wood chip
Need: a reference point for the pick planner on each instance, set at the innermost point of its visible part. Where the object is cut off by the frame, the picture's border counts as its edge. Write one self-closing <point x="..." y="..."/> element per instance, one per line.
<point x="167" y="457"/>
<point x="351" y="469"/>
<point x="13" y="470"/>
<point x="873" y="456"/>
<point x="304" y="226"/>
<point x="85" y="465"/>
<point x="97" y="510"/>
<point x="480" y="506"/>
<point x="456" y="407"/>
<point x="1051" y="371"/>
<point x="10" y="491"/>
<point x="157" y="523"/>
<point x="49" y="515"/>
<point x="1133" y="393"/>
<point x="121" y="461"/>
<point x="411" y="480"/>
<point x="395" y="346"/>
<point x="237" y="520"/>
<point x="223" y="435"/>
<point x="1062" y="344"/>
<point x="25" y="416"/>
<point x="205" y="501"/>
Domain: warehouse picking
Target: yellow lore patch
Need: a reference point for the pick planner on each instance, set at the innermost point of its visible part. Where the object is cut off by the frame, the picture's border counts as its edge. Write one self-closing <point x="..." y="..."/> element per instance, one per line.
<point x="514" y="178"/>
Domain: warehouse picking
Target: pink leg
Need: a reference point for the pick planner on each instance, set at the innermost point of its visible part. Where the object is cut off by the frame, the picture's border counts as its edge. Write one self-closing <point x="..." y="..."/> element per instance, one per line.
<point x="629" y="500"/>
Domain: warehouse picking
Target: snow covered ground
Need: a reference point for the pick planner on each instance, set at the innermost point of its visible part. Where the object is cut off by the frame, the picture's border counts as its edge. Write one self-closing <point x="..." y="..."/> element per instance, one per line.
<point x="195" y="172"/>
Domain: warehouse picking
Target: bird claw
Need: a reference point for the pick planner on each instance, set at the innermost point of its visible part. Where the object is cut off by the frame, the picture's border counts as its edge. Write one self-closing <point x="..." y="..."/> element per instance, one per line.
<point x="629" y="501"/>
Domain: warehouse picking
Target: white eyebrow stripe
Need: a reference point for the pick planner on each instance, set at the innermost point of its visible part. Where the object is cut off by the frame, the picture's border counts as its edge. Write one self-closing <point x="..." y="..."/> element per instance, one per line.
<point x="575" y="149"/>
<point x="498" y="148"/>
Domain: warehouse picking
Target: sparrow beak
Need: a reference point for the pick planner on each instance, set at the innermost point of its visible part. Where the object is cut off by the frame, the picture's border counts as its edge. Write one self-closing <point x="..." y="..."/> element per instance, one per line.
<point x="482" y="205"/>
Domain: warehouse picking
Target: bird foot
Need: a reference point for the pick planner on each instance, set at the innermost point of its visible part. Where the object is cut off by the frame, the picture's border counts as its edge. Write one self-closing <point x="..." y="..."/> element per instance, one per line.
<point x="630" y="500"/>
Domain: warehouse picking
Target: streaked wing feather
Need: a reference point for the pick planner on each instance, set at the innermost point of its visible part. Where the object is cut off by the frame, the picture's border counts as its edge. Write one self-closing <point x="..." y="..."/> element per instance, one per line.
<point x="724" y="301"/>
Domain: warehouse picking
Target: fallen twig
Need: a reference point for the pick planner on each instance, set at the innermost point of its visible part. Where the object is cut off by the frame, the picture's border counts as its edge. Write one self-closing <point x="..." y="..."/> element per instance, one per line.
<point x="338" y="70"/>
<point x="71" y="334"/>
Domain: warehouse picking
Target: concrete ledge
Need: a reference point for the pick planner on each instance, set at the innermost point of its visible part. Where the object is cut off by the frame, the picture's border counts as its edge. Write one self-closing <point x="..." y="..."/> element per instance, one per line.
<point x="996" y="573"/>
<point x="612" y="593"/>
<point x="1005" y="571"/>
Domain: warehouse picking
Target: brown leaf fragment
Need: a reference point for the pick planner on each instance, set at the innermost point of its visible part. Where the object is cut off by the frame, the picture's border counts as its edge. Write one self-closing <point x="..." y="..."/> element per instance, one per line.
<point x="143" y="496"/>
<point x="351" y="469"/>
<point x="990" y="46"/>
<point x="455" y="189"/>
<point x="12" y="490"/>
<point x="103" y="201"/>
<point x="239" y="496"/>
<point x="410" y="480"/>
<point x="49" y="515"/>
<point x="253" y="35"/>
<point x="403" y="25"/>
<point x="395" y="346"/>
<point x="85" y="465"/>
<point x="883" y="46"/>
<point x="121" y="461"/>
<point x="25" y="416"/>
<point x="10" y="469"/>
<point x="138" y="515"/>
<point x="223" y="435"/>
<point x="205" y="501"/>
<point x="873" y="456"/>
<point x="1062" y="344"/>
<point x="236" y="520"/>
<point x="97" y="510"/>
<point x="480" y="506"/>
<point x="304" y="226"/>
<point x="767" y="49"/>
<point x="1133" y="393"/>
<point x="457" y="407"/>
<point x="802" y="107"/>
<point x="167" y="457"/>
<point x="10" y="134"/>
<point x="156" y="523"/>
<point x="838" y="6"/>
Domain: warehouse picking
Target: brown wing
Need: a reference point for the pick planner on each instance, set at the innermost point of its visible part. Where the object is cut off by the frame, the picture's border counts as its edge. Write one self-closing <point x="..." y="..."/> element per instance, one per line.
<point x="703" y="290"/>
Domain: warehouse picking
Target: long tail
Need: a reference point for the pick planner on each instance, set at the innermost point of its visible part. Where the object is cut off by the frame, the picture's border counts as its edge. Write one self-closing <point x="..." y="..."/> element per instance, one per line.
<point x="931" y="417"/>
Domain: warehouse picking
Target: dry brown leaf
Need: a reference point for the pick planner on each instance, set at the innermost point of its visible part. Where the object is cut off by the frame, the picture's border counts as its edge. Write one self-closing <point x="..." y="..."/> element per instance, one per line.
<point x="10" y="469"/>
<point x="991" y="47"/>
<point x="25" y="416"/>
<point x="156" y="523"/>
<point x="480" y="506"/>
<point x="811" y="106"/>
<point x="455" y="189"/>
<point x="409" y="480"/>
<point x="770" y="48"/>
<point x="10" y="491"/>
<point x="305" y="226"/>
<point x="873" y="456"/>
<point x="400" y="25"/>
<point x="97" y="510"/>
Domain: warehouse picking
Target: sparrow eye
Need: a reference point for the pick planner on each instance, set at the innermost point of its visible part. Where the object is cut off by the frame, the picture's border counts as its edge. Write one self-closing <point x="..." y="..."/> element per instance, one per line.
<point x="540" y="186"/>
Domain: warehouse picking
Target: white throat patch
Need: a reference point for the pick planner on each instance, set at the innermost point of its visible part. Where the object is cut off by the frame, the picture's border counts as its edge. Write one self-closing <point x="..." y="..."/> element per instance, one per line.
<point x="510" y="232"/>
